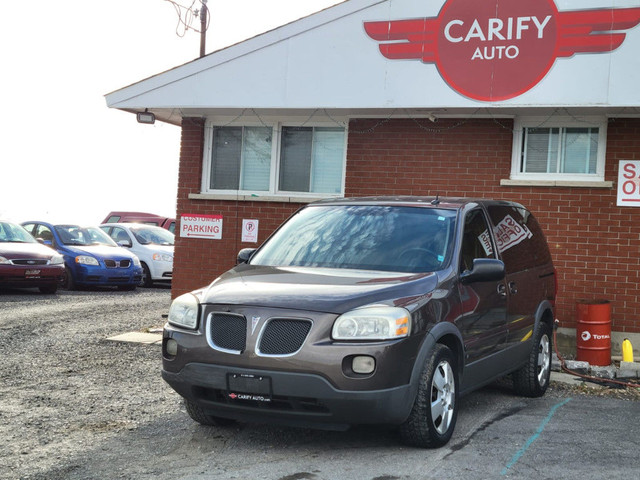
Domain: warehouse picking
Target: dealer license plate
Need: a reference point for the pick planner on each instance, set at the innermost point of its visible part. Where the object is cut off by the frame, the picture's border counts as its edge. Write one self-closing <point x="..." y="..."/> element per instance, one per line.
<point x="242" y="386"/>
<point x="32" y="273"/>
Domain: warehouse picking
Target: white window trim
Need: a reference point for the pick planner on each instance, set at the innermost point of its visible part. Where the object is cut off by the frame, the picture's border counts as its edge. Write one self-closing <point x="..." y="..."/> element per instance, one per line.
<point x="273" y="193"/>
<point x="560" y="179"/>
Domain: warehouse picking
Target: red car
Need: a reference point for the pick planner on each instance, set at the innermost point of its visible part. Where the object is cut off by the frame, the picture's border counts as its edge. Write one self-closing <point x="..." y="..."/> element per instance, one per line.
<point x="167" y="223"/>
<point x="26" y="263"/>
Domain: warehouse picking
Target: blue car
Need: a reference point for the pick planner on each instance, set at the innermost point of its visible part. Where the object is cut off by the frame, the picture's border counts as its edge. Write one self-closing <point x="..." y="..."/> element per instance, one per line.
<point x="91" y="258"/>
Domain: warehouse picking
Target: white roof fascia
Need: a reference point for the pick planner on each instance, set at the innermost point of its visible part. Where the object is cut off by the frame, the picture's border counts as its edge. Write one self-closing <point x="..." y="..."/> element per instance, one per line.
<point x="125" y="98"/>
<point x="328" y="61"/>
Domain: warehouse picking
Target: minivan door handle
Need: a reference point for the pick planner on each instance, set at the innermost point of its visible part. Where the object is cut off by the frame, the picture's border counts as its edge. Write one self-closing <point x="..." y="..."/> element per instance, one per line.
<point x="513" y="289"/>
<point x="502" y="290"/>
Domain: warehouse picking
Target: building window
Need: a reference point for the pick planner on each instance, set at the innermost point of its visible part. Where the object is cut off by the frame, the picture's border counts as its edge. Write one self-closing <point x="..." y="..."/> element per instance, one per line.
<point x="560" y="150"/>
<point x="311" y="159"/>
<point x="240" y="158"/>
<point x="276" y="160"/>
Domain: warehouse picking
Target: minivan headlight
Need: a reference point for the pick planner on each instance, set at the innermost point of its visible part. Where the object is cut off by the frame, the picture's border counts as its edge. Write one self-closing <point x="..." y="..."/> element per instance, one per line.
<point x="57" y="260"/>
<point x="184" y="312"/>
<point x="372" y="323"/>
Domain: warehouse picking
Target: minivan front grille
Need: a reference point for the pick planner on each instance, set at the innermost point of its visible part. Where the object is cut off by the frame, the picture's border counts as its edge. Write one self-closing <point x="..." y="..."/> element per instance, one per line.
<point x="283" y="336"/>
<point x="228" y="331"/>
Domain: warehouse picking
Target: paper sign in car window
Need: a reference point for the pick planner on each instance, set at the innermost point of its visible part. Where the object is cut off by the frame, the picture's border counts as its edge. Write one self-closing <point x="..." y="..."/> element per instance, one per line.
<point x="510" y="233"/>
<point x="485" y="240"/>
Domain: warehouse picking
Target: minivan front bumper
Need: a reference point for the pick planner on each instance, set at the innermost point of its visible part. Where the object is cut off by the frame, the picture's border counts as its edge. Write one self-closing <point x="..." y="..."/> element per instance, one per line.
<point x="287" y="398"/>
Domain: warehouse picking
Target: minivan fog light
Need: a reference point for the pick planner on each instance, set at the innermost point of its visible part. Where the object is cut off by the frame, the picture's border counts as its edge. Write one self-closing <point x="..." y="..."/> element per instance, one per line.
<point x="172" y="347"/>
<point x="363" y="364"/>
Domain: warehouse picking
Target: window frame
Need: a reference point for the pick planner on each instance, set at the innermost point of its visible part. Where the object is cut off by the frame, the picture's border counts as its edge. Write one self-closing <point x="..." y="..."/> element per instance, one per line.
<point x="517" y="155"/>
<point x="274" y="168"/>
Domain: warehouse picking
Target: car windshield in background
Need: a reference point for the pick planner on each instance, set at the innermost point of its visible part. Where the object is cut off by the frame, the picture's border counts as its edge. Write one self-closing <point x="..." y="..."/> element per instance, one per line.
<point x="153" y="236"/>
<point x="83" y="236"/>
<point x="11" y="233"/>
<point x="363" y="237"/>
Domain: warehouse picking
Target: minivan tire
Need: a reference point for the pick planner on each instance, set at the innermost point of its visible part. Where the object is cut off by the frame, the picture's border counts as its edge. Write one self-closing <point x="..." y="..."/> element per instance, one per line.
<point x="532" y="379"/>
<point x="434" y="413"/>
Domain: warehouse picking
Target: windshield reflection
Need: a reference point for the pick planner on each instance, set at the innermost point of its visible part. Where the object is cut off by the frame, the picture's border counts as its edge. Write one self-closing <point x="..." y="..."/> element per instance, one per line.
<point x="381" y="238"/>
<point x="153" y="236"/>
<point x="12" y="233"/>
<point x="83" y="236"/>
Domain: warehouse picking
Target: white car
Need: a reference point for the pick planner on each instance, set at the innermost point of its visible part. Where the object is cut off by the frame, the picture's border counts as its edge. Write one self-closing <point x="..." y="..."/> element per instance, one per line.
<point x="152" y="245"/>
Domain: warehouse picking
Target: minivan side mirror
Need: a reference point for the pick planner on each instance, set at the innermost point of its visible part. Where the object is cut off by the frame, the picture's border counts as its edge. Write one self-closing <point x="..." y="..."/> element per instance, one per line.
<point x="484" y="270"/>
<point x="125" y="243"/>
<point x="245" y="255"/>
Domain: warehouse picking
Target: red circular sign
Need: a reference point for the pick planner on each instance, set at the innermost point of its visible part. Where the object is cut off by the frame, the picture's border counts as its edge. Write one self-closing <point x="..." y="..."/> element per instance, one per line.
<point x="491" y="51"/>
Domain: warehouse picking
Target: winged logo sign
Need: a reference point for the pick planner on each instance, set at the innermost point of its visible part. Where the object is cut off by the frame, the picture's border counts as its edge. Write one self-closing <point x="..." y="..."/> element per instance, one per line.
<point x="492" y="50"/>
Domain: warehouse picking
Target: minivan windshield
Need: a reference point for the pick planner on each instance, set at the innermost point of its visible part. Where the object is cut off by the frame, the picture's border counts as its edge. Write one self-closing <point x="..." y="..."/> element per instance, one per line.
<point x="363" y="237"/>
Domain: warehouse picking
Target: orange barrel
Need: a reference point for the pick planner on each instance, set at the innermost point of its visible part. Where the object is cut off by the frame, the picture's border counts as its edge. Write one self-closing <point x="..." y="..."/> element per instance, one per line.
<point x="594" y="331"/>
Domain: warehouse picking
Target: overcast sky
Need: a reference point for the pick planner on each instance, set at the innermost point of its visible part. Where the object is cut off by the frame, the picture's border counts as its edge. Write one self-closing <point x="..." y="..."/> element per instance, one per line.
<point x="65" y="156"/>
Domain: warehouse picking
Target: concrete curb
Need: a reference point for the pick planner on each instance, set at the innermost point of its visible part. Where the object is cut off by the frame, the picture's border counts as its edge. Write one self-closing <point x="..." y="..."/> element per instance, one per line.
<point x="626" y="371"/>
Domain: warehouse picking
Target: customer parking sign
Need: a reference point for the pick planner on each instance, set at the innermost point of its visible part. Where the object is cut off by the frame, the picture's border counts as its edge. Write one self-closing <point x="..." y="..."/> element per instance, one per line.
<point x="201" y="226"/>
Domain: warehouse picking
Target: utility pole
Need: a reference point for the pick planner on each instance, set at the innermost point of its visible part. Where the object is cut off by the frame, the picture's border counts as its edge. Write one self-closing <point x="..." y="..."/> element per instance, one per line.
<point x="203" y="28"/>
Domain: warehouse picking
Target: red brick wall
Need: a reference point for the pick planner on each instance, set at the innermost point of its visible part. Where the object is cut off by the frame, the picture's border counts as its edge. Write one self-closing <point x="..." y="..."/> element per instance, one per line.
<point x="199" y="261"/>
<point x="595" y="244"/>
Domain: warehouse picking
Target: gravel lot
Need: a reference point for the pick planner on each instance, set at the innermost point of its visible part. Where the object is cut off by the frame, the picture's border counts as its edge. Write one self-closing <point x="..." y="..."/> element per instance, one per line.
<point x="74" y="405"/>
<point x="63" y="385"/>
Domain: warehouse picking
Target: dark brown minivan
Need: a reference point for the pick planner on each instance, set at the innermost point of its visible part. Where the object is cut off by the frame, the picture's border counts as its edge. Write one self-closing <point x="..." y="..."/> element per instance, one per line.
<point x="369" y="310"/>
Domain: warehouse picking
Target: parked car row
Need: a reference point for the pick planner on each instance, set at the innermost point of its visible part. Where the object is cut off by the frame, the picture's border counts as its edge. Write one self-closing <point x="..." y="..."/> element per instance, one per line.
<point x="43" y="255"/>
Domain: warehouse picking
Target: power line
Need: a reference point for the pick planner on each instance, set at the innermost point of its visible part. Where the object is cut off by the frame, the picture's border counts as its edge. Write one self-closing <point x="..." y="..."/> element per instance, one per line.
<point x="188" y="15"/>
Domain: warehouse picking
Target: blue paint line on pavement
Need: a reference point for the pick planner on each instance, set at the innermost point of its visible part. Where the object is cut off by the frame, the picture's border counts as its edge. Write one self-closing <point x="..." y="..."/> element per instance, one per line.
<point x="533" y="437"/>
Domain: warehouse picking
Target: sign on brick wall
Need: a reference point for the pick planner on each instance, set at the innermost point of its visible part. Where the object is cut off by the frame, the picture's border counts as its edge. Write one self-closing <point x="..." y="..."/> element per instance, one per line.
<point x="629" y="183"/>
<point x="250" y="230"/>
<point x="201" y="226"/>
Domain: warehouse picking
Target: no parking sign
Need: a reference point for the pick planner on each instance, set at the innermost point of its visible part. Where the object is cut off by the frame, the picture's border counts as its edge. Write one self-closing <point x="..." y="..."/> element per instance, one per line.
<point x="250" y="231"/>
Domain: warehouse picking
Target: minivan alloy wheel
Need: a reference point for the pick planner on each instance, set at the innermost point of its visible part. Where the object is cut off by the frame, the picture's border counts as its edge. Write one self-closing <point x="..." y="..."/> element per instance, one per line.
<point x="532" y="379"/>
<point x="544" y="359"/>
<point x="443" y="390"/>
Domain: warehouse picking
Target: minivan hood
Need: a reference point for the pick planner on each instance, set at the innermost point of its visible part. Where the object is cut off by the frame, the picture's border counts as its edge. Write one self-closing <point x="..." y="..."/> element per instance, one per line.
<point x="315" y="289"/>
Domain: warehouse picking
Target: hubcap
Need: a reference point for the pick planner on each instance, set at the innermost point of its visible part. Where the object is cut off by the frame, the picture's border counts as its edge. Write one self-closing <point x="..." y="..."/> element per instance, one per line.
<point x="443" y="390"/>
<point x="544" y="360"/>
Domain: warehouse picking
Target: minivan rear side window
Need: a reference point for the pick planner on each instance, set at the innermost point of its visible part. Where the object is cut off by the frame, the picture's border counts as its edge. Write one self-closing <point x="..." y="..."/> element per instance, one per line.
<point x="519" y="238"/>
